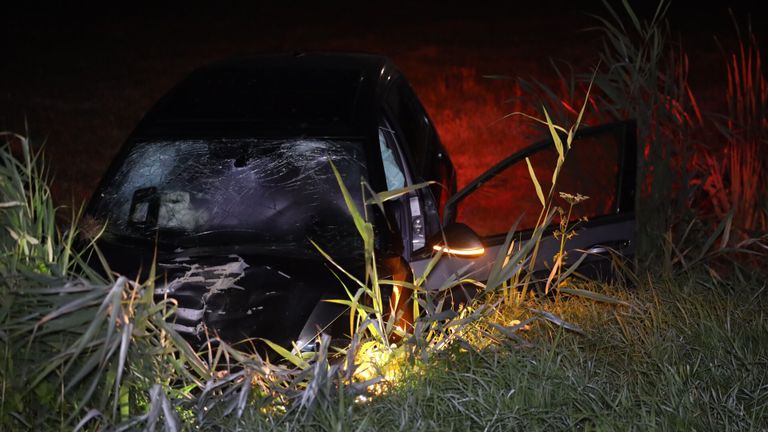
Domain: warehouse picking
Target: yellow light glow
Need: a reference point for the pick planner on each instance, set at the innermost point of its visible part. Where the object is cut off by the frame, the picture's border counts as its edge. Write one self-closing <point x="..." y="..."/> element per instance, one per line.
<point x="374" y="360"/>
<point x="475" y="252"/>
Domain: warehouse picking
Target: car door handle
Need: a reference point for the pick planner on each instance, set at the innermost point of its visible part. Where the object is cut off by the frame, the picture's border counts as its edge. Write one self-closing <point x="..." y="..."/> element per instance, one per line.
<point x="595" y="250"/>
<point x="603" y="249"/>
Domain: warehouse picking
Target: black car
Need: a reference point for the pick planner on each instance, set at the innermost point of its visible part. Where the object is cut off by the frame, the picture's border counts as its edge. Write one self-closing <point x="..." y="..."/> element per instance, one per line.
<point x="228" y="178"/>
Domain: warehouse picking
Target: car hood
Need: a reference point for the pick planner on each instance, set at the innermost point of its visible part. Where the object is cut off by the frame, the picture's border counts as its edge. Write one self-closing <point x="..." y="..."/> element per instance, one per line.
<point x="239" y="295"/>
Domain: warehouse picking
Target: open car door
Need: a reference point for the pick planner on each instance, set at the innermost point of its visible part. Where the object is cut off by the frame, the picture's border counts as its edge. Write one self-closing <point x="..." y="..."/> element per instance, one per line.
<point x="601" y="164"/>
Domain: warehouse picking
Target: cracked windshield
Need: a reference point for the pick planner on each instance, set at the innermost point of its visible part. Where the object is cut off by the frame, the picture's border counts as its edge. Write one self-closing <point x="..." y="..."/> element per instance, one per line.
<point x="281" y="192"/>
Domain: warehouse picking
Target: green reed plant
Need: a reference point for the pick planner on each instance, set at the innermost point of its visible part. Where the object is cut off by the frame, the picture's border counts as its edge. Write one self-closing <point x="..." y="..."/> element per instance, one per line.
<point x="30" y="238"/>
<point x="100" y="354"/>
<point x="74" y="353"/>
<point x="683" y="152"/>
<point x="547" y="202"/>
<point x="84" y="353"/>
<point x="91" y="355"/>
<point x="690" y="165"/>
<point x="645" y="77"/>
<point x="438" y="324"/>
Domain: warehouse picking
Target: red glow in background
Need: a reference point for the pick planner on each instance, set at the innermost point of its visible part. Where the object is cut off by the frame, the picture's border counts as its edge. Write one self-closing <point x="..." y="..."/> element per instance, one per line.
<point x="81" y="79"/>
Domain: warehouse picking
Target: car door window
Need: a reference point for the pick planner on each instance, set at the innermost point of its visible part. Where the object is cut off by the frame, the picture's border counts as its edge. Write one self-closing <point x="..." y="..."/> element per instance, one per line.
<point x="392" y="167"/>
<point x="591" y="169"/>
<point x="406" y="209"/>
<point x="413" y="125"/>
<point x="418" y="140"/>
<point x="601" y="164"/>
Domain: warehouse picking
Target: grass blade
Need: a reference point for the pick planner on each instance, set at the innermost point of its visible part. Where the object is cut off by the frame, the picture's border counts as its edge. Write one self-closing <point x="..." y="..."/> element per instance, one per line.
<point x="295" y="359"/>
<point x="554" y="319"/>
<point x="592" y="296"/>
<point x="536" y="184"/>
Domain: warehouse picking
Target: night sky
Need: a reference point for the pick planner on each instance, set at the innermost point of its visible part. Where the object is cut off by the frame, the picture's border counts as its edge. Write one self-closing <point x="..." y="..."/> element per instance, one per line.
<point x="82" y="78"/>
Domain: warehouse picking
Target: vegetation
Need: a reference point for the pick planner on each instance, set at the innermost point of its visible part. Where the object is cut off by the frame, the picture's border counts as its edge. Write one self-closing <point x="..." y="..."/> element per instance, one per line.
<point x="680" y="344"/>
<point x="679" y="358"/>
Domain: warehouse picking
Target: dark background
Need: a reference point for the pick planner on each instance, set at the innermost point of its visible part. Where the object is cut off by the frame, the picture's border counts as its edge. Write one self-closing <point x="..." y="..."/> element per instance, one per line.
<point x="80" y="78"/>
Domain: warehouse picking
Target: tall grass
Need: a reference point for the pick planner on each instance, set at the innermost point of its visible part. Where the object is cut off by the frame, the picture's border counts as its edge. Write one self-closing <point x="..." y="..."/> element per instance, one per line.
<point x="72" y="349"/>
<point x="83" y="353"/>
<point x="696" y="171"/>
<point x="736" y="183"/>
<point x="644" y="76"/>
<point x="87" y="353"/>
<point x="31" y="240"/>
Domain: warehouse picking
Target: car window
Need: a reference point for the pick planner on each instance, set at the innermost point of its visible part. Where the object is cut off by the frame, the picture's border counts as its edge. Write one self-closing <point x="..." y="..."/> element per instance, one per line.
<point x="283" y="191"/>
<point x="590" y="169"/>
<point x="428" y="160"/>
<point x="392" y="170"/>
<point x="413" y="125"/>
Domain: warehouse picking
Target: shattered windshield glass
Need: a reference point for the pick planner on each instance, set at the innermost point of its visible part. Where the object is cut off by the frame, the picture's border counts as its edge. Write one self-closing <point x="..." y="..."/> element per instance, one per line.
<point x="275" y="192"/>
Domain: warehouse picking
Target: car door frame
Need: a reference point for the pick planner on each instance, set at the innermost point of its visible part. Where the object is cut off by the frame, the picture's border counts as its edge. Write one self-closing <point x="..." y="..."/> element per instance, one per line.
<point x="597" y="237"/>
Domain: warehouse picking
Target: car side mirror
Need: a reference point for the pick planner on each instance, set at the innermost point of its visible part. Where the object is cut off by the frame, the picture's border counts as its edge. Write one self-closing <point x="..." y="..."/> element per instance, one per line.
<point x="459" y="240"/>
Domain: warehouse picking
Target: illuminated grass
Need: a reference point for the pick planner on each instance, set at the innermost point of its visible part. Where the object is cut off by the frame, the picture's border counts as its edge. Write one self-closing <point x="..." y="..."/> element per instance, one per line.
<point x="686" y="356"/>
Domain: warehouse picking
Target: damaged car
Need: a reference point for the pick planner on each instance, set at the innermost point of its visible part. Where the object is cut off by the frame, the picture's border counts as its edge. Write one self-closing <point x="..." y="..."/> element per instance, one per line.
<point x="226" y="189"/>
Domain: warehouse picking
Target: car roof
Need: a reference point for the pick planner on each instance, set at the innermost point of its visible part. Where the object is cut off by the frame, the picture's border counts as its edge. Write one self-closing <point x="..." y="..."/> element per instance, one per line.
<point x="278" y="95"/>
